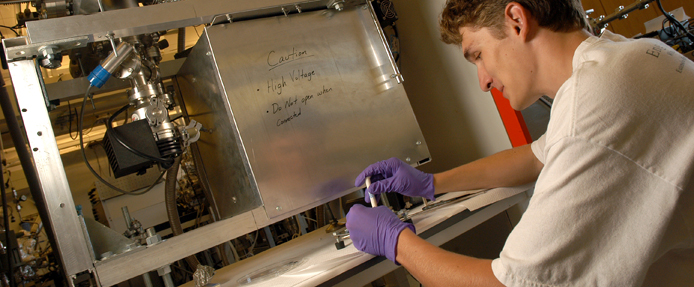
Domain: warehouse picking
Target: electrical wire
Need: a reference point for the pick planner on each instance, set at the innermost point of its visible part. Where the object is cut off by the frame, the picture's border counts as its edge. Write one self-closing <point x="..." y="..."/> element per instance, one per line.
<point x="89" y="166"/>
<point x="11" y="28"/>
<point x="69" y="129"/>
<point x="116" y="136"/>
<point x="674" y="21"/>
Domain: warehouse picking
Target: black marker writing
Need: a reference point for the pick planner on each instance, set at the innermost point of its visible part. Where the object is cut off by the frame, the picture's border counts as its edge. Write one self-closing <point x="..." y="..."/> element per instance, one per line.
<point x="297" y="75"/>
<point x="273" y="86"/>
<point x="286" y="120"/>
<point x="275" y="59"/>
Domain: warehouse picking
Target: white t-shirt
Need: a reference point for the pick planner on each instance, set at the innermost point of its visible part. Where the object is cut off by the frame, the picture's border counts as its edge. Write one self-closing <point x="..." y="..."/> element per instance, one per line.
<point x="614" y="203"/>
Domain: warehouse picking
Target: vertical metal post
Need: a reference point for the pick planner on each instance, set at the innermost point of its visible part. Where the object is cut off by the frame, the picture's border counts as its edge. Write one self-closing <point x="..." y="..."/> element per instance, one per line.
<point x="303" y="225"/>
<point x="147" y="279"/>
<point x="49" y="186"/>
<point x="268" y="234"/>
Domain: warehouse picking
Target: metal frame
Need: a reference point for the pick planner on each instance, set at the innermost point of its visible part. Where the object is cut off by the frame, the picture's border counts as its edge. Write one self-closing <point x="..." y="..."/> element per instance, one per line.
<point x="78" y="30"/>
<point x="62" y="216"/>
<point x="69" y="32"/>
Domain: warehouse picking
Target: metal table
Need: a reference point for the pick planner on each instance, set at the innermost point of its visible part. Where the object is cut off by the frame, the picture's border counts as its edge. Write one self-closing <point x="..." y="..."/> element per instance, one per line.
<point x="319" y="263"/>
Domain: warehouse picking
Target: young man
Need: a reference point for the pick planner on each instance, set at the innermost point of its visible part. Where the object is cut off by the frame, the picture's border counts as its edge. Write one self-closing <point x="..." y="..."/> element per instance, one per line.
<point x="614" y="196"/>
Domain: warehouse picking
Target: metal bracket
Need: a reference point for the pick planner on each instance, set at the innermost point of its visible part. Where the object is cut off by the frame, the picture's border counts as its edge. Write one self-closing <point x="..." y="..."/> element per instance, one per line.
<point x="19" y="48"/>
<point x="229" y="17"/>
<point x="191" y="133"/>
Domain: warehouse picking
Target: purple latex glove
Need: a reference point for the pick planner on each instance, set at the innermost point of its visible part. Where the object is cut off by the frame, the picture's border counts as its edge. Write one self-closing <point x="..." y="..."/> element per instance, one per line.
<point x="375" y="230"/>
<point x="398" y="177"/>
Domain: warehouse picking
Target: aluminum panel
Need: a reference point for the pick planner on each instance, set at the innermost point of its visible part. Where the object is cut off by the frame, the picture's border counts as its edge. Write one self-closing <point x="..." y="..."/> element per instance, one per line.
<point x="310" y="101"/>
<point x="205" y="101"/>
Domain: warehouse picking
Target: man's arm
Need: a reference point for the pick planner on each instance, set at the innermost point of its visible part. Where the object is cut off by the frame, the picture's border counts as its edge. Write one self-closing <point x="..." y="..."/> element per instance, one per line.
<point x="510" y="167"/>
<point x="433" y="266"/>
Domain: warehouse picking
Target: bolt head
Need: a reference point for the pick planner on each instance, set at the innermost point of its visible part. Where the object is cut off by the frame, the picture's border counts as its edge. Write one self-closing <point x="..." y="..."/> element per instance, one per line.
<point x="164" y="270"/>
<point x="153" y="240"/>
<point x="408" y="159"/>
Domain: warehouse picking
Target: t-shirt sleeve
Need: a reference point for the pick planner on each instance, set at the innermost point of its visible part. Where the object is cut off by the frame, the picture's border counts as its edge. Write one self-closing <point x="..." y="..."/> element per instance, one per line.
<point x="538" y="147"/>
<point x="588" y="214"/>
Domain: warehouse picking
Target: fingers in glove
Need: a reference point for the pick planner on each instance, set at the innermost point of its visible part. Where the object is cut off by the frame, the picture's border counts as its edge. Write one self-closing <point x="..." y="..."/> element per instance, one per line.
<point x="377" y="171"/>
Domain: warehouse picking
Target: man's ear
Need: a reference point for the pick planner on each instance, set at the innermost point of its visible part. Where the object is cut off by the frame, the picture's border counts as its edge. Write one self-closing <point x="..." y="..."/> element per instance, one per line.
<point x="516" y="18"/>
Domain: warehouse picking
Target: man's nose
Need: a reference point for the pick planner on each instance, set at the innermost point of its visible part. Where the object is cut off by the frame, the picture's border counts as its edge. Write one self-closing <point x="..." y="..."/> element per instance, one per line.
<point x="485" y="79"/>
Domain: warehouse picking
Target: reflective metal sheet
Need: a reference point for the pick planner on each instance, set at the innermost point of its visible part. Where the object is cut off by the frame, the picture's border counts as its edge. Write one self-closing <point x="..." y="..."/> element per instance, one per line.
<point x="307" y="102"/>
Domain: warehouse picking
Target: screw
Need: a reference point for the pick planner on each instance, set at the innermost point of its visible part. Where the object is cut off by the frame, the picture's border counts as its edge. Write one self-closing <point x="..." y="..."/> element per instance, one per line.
<point x="39" y="133"/>
<point x="24" y="110"/>
<point x="338" y="6"/>
<point x="278" y="208"/>
<point x="418" y="143"/>
<point x="233" y="199"/>
<point x="208" y="53"/>
<point x="408" y="159"/>
<point x="36" y="149"/>
<point x="62" y="205"/>
<point x="646" y="6"/>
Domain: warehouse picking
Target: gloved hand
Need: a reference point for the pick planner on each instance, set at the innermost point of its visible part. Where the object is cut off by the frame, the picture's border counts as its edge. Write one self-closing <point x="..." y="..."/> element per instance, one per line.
<point x="398" y="177"/>
<point x="375" y="230"/>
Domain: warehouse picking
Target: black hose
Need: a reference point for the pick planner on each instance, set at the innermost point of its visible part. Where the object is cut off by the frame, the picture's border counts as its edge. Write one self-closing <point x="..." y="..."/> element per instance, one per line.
<point x="172" y="207"/>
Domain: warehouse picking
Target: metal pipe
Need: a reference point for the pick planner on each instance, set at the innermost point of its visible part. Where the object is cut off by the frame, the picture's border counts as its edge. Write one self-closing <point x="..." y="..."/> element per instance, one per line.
<point x="126" y="216"/>
<point x="168" y="282"/>
<point x="181" y="40"/>
<point x="148" y="280"/>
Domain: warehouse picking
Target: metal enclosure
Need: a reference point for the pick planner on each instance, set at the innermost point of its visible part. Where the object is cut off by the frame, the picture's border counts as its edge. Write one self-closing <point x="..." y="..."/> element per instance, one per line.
<point x="296" y="107"/>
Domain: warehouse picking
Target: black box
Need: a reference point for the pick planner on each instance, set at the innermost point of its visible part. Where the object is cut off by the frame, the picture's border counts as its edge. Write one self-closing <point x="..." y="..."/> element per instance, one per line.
<point x="137" y="135"/>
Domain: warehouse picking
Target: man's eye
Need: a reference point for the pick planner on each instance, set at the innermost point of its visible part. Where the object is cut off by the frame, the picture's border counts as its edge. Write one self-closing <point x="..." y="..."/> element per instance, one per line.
<point x="479" y="56"/>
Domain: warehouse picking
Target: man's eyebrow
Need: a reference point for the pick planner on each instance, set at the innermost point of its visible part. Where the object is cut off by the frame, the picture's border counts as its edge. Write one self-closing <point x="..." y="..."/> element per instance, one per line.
<point x="466" y="53"/>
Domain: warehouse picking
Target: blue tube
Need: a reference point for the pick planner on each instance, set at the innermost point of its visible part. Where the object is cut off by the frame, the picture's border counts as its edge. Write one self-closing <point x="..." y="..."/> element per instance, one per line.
<point x="99" y="76"/>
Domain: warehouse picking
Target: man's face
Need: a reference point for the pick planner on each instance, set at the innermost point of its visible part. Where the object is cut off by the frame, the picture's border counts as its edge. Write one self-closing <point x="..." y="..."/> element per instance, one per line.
<point x="504" y="64"/>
